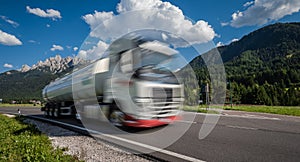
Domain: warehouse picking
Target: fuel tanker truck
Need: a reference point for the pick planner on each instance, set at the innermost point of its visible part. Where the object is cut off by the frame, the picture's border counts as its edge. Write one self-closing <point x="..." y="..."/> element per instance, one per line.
<point x="131" y="84"/>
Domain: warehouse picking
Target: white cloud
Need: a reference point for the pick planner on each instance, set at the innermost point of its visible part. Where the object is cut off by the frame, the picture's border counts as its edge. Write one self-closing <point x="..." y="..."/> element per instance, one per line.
<point x="56" y="47"/>
<point x="95" y="52"/>
<point x="248" y="3"/>
<point x="130" y="5"/>
<point x="6" y="65"/>
<point x="50" y="13"/>
<point x="97" y="18"/>
<point x="48" y="25"/>
<point x="154" y="14"/>
<point x="236" y="15"/>
<point x="34" y="42"/>
<point x="11" y="22"/>
<point x="224" y="23"/>
<point x="8" y="39"/>
<point x="263" y="11"/>
<point x="75" y="48"/>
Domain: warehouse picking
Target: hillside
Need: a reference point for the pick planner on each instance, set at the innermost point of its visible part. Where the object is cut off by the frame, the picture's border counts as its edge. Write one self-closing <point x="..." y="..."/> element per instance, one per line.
<point x="263" y="67"/>
<point x="23" y="86"/>
<point x="28" y="82"/>
<point x="278" y="40"/>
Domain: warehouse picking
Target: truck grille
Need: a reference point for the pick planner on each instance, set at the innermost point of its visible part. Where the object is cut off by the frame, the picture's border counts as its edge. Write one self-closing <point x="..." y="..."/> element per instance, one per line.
<point x="163" y="103"/>
<point x="162" y="93"/>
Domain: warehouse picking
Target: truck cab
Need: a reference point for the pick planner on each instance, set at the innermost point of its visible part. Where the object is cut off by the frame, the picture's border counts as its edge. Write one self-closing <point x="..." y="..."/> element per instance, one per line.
<point x="146" y="91"/>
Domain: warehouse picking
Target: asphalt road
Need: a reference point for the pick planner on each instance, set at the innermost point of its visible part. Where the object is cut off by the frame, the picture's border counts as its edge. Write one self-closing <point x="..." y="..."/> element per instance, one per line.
<point x="238" y="136"/>
<point x="244" y="139"/>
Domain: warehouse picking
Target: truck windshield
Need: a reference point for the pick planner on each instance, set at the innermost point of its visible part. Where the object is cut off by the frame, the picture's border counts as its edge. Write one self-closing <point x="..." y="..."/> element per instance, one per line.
<point x="153" y="73"/>
<point x="134" y="59"/>
<point x="152" y="59"/>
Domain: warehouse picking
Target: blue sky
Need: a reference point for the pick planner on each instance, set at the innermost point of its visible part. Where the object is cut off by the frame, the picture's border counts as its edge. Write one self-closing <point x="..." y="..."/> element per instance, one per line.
<point x="33" y="30"/>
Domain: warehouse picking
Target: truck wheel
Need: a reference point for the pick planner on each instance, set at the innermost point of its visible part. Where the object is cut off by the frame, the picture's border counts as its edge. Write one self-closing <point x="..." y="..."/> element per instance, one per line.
<point x="56" y="112"/>
<point x="50" y="113"/>
<point x="46" y="112"/>
<point x="116" y="118"/>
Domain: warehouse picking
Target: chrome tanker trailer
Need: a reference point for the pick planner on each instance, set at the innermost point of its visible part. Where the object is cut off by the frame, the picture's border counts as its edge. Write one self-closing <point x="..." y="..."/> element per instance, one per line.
<point x="130" y="83"/>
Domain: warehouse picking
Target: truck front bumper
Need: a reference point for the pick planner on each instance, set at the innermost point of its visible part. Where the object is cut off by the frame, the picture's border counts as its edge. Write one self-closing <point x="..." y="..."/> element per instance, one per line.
<point x="147" y="123"/>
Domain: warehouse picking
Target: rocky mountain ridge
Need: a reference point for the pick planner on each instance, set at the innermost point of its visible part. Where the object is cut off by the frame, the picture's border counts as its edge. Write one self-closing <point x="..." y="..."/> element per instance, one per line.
<point x="54" y="65"/>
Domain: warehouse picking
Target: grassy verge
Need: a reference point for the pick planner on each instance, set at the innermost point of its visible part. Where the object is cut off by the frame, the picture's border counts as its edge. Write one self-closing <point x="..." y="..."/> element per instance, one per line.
<point x="19" y="105"/>
<point x="23" y="142"/>
<point x="283" y="110"/>
<point x="200" y="109"/>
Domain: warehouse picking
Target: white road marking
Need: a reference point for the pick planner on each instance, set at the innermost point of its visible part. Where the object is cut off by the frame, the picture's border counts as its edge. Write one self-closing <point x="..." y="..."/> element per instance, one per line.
<point x="185" y="121"/>
<point x="250" y="116"/>
<point x="239" y="127"/>
<point x="181" y="156"/>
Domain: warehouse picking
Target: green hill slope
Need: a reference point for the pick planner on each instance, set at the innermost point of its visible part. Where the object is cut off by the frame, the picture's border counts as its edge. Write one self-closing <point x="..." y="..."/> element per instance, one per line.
<point x="23" y="86"/>
<point x="263" y="67"/>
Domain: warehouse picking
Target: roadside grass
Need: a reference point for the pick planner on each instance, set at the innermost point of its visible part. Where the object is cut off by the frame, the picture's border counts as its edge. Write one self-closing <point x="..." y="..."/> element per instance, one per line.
<point x="23" y="142"/>
<point x="200" y="109"/>
<point x="19" y="105"/>
<point x="282" y="110"/>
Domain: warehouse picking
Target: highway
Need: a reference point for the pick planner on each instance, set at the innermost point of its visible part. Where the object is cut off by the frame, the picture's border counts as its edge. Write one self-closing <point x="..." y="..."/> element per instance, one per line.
<point x="238" y="136"/>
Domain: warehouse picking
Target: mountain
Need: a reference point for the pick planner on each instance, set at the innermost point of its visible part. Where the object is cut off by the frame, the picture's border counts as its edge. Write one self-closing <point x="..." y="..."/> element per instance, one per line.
<point x="271" y="41"/>
<point x="263" y="66"/>
<point x="278" y="38"/>
<point x="53" y="65"/>
<point x="27" y="83"/>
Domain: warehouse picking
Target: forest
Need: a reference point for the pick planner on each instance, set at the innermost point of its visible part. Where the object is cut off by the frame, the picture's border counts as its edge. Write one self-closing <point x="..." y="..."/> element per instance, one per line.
<point x="262" y="68"/>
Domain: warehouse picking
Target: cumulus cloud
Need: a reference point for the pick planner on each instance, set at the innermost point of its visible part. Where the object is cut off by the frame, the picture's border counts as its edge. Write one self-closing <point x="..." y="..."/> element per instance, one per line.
<point x="6" y="65"/>
<point x="263" y="11"/>
<point x="154" y="14"/>
<point x="56" y="47"/>
<point x="75" y="48"/>
<point x="8" y="39"/>
<point x="97" y="18"/>
<point x="49" y="13"/>
<point x="11" y="22"/>
<point x="248" y="3"/>
<point x="130" y="5"/>
<point x="93" y="53"/>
